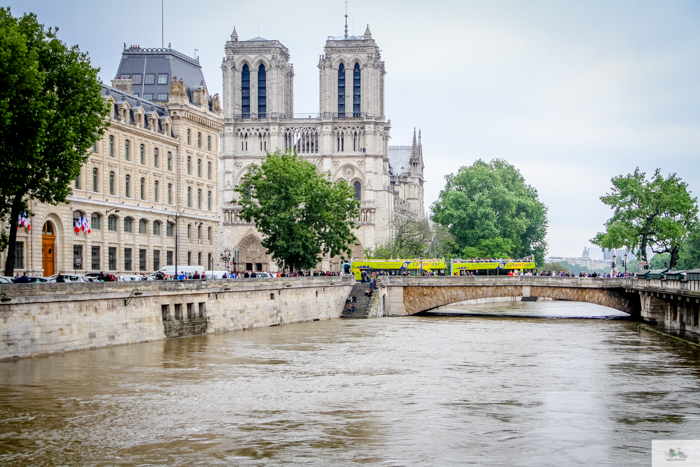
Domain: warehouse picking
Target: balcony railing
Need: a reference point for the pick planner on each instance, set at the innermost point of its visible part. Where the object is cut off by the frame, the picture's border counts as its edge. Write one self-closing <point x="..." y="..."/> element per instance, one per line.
<point x="232" y="216"/>
<point x="366" y="216"/>
<point x="301" y="116"/>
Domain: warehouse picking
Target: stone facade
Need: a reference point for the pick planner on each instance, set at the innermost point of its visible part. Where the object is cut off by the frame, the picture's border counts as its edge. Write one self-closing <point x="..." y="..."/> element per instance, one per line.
<point x="157" y="160"/>
<point x="348" y="138"/>
<point x="406" y="176"/>
<point x="50" y="318"/>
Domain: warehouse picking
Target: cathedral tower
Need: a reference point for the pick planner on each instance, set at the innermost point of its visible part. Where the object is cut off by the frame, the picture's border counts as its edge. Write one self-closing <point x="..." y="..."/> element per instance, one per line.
<point x="352" y="77"/>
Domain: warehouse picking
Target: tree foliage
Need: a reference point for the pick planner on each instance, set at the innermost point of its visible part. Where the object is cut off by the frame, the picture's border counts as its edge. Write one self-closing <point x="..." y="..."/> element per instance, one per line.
<point x="690" y="252"/>
<point x="492" y="212"/>
<point x="51" y="114"/>
<point x="657" y="212"/>
<point x="302" y="215"/>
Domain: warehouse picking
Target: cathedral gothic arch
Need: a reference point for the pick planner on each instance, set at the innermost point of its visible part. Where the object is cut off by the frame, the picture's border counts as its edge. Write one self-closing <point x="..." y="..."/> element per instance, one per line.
<point x="349" y="172"/>
<point x="251" y="254"/>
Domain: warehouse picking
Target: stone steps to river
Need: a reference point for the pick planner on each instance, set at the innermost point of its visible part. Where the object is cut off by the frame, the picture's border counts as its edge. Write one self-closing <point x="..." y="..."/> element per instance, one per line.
<point x="362" y="304"/>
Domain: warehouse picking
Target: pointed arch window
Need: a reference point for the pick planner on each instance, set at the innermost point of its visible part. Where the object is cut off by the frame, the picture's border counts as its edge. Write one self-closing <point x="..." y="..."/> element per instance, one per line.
<point x="262" y="92"/>
<point x="358" y="190"/>
<point x="356" y="86"/>
<point x="245" y="92"/>
<point x="341" y="91"/>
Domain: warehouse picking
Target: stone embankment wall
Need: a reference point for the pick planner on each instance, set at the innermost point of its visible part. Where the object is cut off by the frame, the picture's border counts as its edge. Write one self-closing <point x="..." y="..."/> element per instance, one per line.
<point x="40" y="319"/>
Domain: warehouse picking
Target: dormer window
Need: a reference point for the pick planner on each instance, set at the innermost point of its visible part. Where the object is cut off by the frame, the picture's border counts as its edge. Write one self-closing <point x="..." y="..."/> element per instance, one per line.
<point x="163" y="79"/>
<point x="148" y="97"/>
<point x="150" y="79"/>
<point x="163" y="97"/>
<point x="137" y="78"/>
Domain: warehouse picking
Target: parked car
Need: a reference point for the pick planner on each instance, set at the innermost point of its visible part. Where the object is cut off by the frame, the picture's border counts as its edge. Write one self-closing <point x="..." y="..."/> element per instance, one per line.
<point x="263" y="275"/>
<point x="129" y="278"/>
<point x="39" y="279"/>
<point x="6" y="280"/>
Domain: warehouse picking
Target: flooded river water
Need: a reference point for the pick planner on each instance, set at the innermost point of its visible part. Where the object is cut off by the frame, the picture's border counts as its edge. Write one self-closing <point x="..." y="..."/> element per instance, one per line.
<point x="411" y="391"/>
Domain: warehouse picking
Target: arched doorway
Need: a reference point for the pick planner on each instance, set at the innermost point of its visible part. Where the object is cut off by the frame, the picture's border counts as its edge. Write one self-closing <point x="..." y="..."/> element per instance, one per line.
<point x="48" y="247"/>
<point x="251" y="255"/>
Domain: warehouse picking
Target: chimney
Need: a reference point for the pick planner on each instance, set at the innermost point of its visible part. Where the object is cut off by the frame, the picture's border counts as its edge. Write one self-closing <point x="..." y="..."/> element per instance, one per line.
<point x="123" y="84"/>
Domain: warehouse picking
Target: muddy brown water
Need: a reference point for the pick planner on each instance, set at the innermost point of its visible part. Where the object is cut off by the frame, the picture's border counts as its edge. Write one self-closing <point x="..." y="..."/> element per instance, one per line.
<point x="503" y="390"/>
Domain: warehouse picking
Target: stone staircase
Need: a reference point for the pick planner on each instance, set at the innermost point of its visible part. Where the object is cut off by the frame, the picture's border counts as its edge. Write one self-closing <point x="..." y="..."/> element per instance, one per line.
<point x="362" y="304"/>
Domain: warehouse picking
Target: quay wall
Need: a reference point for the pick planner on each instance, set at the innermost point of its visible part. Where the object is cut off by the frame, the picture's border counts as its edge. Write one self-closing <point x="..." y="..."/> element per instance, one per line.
<point x="37" y="319"/>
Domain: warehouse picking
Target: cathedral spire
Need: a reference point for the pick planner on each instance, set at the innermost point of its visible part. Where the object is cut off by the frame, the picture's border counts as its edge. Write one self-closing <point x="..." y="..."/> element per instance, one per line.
<point x="368" y="33"/>
<point x="234" y="35"/>
<point x="414" y="137"/>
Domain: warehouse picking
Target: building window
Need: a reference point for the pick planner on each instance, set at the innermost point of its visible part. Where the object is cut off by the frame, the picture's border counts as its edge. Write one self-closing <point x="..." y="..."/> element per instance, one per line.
<point x="199" y="199"/>
<point x="112" y="252"/>
<point x="128" y="224"/>
<point x="142" y="260"/>
<point x="163" y="79"/>
<point x="155" y="191"/>
<point x="142" y="154"/>
<point x="156" y="228"/>
<point x="189" y="230"/>
<point x="162" y="97"/>
<point x="208" y="143"/>
<point x="209" y="200"/>
<point x="169" y="229"/>
<point x="127" y="259"/>
<point x="189" y="258"/>
<point x="143" y="226"/>
<point x="77" y="182"/>
<point x="19" y="255"/>
<point x="358" y="190"/>
<point x="341" y="90"/>
<point x="209" y="170"/>
<point x="199" y="258"/>
<point x="199" y="167"/>
<point x="112" y="223"/>
<point x="170" y="161"/>
<point x="169" y="258"/>
<point x="189" y="136"/>
<point x="155" y="157"/>
<point x="209" y="233"/>
<point x="199" y="139"/>
<point x="199" y="232"/>
<point x="137" y="78"/>
<point x="77" y="257"/>
<point x="209" y="265"/>
<point x="111" y="146"/>
<point x="127" y="154"/>
<point x="170" y="193"/>
<point x="356" y="91"/>
<point x="94" y="147"/>
<point x="95" y="221"/>
<point x="95" y="266"/>
<point x="143" y="188"/>
<point x="189" y="196"/>
<point x="245" y="92"/>
<point x="111" y="183"/>
<point x="94" y="179"/>
<point x="148" y="97"/>
<point x="127" y="186"/>
<point x="262" y="92"/>
<point x="156" y="260"/>
<point x="189" y="165"/>
<point x="150" y="79"/>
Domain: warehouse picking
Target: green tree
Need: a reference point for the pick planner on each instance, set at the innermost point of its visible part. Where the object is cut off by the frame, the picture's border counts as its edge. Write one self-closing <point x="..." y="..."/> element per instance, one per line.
<point x="657" y="212"/>
<point x="660" y="260"/>
<point x="51" y="114"/>
<point x="492" y="212"/>
<point x="557" y="267"/>
<point x="301" y="214"/>
<point x="690" y="252"/>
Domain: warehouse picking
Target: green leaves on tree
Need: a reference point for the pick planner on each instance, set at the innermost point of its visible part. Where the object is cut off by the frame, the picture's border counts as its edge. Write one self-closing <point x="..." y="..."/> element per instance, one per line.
<point x="51" y="114"/>
<point x="658" y="213"/>
<point x="302" y="215"/>
<point x="492" y="212"/>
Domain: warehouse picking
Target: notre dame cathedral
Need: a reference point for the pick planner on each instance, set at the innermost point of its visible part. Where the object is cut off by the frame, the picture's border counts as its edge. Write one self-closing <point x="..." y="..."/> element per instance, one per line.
<point x="348" y="138"/>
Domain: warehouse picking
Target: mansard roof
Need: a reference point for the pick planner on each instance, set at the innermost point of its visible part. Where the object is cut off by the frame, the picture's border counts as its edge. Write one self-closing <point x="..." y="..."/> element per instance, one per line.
<point x="137" y="63"/>
<point x="134" y="103"/>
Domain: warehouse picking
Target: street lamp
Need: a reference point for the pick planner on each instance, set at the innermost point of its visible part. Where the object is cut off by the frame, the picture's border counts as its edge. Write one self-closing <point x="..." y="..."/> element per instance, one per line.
<point x="614" y="263"/>
<point x="625" y="263"/>
<point x="176" y="217"/>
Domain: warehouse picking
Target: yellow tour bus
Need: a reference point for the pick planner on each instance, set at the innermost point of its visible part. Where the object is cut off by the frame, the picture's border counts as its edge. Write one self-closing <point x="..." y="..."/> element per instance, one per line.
<point x="397" y="267"/>
<point x="492" y="267"/>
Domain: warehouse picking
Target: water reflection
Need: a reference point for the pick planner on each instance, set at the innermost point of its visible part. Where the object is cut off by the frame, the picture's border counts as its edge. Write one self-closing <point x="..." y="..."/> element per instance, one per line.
<point x="394" y="391"/>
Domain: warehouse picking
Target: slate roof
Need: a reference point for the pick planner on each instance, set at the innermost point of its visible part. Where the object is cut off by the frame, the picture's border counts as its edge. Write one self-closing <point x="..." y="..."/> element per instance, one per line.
<point x="256" y="39"/>
<point x="138" y="63"/>
<point x="400" y="159"/>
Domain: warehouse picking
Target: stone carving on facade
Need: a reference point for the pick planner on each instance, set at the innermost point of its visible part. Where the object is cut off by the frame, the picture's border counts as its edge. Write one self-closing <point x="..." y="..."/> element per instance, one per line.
<point x="215" y="103"/>
<point x="361" y="164"/>
<point x="238" y="165"/>
<point x="336" y="164"/>
<point x="177" y="88"/>
<point x="348" y="172"/>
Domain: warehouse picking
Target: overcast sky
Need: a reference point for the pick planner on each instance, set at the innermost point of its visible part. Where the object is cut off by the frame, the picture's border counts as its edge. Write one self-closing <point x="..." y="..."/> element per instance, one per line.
<point x="571" y="93"/>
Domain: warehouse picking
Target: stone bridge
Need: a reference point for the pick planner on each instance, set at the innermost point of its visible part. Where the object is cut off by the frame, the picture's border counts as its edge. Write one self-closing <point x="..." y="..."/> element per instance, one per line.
<point x="674" y="303"/>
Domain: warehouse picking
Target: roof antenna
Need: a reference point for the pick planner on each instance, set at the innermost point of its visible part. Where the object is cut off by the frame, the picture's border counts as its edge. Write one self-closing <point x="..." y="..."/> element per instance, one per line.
<point x="346" y="19"/>
<point x="162" y="25"/>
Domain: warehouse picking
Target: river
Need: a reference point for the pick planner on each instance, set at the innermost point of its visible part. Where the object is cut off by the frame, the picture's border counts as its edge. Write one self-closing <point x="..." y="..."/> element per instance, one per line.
<point x="412" y="391"/>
